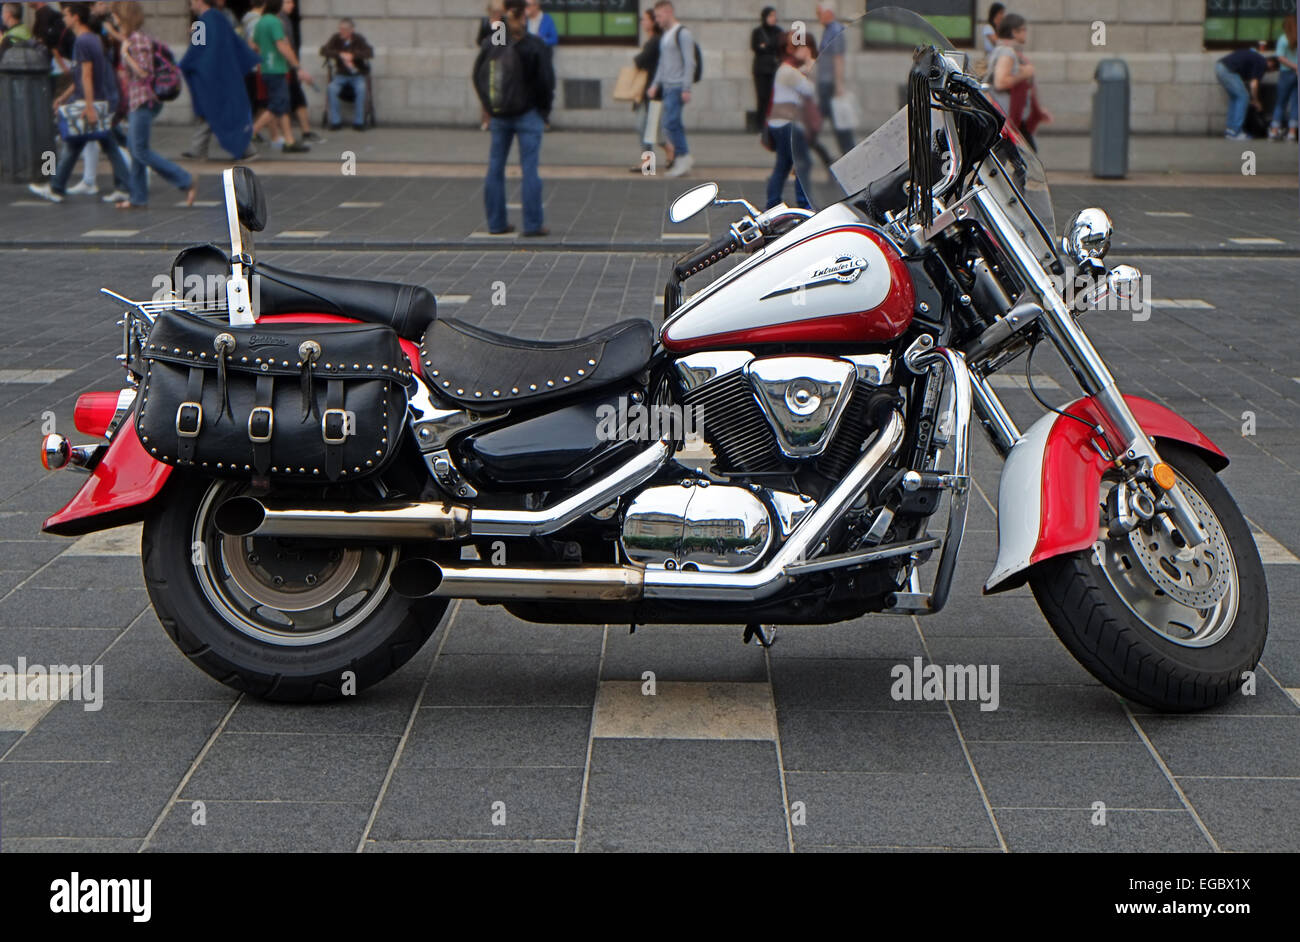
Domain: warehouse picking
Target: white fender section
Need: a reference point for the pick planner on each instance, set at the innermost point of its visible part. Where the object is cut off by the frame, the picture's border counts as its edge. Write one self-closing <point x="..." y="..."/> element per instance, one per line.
<point x="1020" y="503"/>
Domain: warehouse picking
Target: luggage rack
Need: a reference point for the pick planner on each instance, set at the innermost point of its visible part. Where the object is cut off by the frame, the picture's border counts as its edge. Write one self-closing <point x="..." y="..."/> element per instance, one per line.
<point x="139" y="316"/>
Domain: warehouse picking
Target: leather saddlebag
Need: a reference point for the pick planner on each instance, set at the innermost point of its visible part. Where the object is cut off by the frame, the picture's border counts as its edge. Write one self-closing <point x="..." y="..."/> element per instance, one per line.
<point x="316" y="402"/>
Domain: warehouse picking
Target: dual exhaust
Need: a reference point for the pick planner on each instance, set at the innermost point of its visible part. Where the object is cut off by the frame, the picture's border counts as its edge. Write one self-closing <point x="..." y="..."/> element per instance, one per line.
<point x="421" y="578"/>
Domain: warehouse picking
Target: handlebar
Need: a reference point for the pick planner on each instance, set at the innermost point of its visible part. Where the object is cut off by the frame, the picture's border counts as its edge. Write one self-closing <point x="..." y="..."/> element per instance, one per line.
<point x="695" y="261"/>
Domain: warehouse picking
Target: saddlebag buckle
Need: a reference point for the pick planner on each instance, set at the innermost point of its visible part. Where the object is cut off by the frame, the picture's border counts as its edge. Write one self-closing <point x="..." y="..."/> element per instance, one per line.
<point x="336" y="432"/>
<point x="189" y="419"/>
<point x="261" y="422"/>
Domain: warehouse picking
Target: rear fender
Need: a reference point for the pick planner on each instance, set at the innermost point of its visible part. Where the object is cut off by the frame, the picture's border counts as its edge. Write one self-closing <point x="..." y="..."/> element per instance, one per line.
<point x="1051" y="484"/>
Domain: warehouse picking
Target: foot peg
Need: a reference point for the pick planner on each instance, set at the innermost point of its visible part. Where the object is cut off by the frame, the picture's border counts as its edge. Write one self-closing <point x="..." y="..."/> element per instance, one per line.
<point x="765" y="639"/>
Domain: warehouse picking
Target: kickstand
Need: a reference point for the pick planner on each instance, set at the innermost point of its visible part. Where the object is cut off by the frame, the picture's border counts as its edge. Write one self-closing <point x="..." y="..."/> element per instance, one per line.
<point x="765" y="640"/>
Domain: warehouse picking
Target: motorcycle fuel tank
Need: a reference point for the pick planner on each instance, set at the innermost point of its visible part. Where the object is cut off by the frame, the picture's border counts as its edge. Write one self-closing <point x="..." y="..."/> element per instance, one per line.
<point x="834" y="279"/>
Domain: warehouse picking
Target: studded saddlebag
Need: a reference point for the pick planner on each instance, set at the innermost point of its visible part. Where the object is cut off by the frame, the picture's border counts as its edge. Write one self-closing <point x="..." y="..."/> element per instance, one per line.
<point x="302" y="402"/>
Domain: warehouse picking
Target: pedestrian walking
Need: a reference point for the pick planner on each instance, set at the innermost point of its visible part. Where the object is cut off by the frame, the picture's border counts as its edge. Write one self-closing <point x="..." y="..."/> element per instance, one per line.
<point x="278" y="58"/>
<point x="143" y="106"/>
<point x="214" y="71"/>
<point x="647" y="63"/>
<point x="93" y="86"/>
<point x="766" y="42"/>
<point x="349" y="56"/>
<point x="830" y="72"/>
<point x="516" y="85"/>
<point x="1239" y="73"/>
<point x="12" y="28"/>
<point x="988" y="38"/>
<point x="794" y="107"/>
<point x="541" y="25"/>
<point x="673" y="78"/>
<point x="1011" y="76"/>
<point x="289" y="19"/>
<point x="1285" y="107"/>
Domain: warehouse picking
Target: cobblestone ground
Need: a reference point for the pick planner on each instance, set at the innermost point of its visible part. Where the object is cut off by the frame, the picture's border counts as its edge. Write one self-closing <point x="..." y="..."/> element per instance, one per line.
<point x="547" y="718"/>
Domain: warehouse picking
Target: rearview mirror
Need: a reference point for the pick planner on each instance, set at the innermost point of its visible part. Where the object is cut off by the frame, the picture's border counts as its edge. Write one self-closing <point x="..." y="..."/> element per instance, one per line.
<point x="250" y="201"/>
<point x="692" y="201"/>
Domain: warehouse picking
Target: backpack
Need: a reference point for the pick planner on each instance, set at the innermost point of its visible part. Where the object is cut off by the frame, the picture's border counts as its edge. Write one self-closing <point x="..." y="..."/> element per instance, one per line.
<point x="699" y="56"/>
<point x="166" y="80"/>
<point x="500" y="80"/>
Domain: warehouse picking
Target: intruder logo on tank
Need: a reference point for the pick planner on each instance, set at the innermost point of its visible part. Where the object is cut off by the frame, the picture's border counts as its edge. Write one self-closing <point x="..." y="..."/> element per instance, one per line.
<point x="844" y="269"/>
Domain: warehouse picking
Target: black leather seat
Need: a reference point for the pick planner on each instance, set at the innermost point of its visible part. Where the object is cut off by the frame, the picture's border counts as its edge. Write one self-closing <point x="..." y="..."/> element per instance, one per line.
<point x="472" y="366"/>
<point x="408" y="309"/>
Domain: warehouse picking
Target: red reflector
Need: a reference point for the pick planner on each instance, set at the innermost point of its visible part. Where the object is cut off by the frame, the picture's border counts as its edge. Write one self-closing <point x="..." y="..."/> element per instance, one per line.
<point x="93" y="412"/>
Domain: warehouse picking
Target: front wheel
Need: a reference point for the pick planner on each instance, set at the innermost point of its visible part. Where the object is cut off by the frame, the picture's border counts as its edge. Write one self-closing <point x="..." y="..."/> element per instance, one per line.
<point x="1166" y="626"/>
<point x="281" y="619"/>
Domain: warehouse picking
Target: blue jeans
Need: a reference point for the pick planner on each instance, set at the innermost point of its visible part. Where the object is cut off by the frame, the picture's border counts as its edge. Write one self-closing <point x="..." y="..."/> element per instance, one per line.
<point x="1286" y="95"/>
<point x="1238" y="97"/>
<point x="358" y="86"/>
<point x="528" y="127"/>
<point x="72" y="151"/>
<point x="674" y="130"/>
<point x="791" y="151"/>
<point x="139" y="125"/>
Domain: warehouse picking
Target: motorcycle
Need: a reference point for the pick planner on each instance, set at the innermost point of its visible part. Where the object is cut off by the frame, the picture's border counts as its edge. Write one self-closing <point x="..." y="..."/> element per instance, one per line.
<point x="322" y="463"/>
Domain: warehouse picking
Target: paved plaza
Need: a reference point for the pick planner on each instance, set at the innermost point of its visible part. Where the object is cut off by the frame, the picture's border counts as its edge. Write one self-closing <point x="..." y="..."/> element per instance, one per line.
<point x="500" y="735"/>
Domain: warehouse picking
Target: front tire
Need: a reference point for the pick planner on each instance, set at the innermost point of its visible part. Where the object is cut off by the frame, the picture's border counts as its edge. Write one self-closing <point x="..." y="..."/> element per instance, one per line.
<point x="280" y="619"/>
<point x="1169" y="629"/>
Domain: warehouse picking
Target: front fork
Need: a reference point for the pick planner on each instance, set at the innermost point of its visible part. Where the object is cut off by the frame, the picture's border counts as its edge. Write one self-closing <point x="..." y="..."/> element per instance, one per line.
<point x="1121" y="428"/>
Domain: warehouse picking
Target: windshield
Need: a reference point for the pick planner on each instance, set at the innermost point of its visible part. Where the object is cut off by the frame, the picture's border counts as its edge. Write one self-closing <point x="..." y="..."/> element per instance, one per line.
<point x="859" y="85"/>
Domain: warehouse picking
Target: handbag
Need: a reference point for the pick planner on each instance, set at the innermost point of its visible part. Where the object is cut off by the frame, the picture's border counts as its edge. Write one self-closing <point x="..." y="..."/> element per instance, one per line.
<point x="844" y="112"/>
<point x="297" y="402"/>
<point x="75" y="129"/>
<point x="653" y="112"/>
<point x="630" y="84"/>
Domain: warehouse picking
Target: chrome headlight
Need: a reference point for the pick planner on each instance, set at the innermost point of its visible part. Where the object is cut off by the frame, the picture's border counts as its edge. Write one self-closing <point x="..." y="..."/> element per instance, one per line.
<point x="1087" y="235"/>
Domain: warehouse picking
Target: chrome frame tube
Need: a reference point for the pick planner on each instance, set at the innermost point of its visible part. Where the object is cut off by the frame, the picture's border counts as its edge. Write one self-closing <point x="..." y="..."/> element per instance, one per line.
<point x="1002" y="429"/>
<point x="960" y="376"/>
<point x="1085" y="362"/>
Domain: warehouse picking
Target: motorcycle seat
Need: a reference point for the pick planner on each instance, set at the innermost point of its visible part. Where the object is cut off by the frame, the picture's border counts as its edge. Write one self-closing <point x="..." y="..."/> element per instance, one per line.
<point x="408" y="309"/>
<point x="472" y="366"/>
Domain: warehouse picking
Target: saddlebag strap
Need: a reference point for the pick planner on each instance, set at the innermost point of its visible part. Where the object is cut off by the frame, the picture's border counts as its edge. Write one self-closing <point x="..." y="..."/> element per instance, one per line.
<point x="189" y="417"/>
<point x="334" y="428"/>
<point x="261" y="424"/>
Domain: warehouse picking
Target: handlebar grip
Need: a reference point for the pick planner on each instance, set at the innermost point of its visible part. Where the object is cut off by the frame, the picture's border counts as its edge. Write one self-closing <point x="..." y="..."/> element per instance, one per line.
<point x="692" y="263"/>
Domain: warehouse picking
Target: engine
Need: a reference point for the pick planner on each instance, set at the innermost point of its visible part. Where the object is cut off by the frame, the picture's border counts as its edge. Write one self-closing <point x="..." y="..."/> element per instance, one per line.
<point x="771" y="415"/>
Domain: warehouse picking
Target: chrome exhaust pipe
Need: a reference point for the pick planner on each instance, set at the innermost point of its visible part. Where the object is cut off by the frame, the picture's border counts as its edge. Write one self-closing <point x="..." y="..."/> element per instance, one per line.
<point x="419" y="578"/>
<point x="433" y="520"/>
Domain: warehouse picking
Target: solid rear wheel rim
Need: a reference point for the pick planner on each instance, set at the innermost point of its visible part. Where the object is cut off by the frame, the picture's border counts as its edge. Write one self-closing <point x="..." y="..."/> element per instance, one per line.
<point x="1187" y="597"/>
<point x="281" y="592"/>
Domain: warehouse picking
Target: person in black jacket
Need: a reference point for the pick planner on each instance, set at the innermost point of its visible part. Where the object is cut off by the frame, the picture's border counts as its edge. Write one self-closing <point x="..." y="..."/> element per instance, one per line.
<point x="766" y="41"/>
<point x="516" y="85"/>
<point x="647" y="60"/>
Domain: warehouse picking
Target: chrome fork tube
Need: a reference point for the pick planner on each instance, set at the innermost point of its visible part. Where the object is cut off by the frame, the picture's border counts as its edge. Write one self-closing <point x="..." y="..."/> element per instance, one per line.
<point x="993" y="415"/>
<point x="1085" y="362"/>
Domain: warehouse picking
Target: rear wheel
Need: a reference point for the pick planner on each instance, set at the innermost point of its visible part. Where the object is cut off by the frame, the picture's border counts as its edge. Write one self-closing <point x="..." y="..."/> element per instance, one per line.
<point x="1168" y="626"/>
<point x="281" y="619"/>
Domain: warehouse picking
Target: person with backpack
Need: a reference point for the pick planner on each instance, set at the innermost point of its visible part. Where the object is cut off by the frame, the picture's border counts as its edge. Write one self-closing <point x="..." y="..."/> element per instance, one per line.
<point x="679" y="68"/>
<point x="516" y="86"/>
<point x="96" y="87"/>
<point x="146" y="71"/>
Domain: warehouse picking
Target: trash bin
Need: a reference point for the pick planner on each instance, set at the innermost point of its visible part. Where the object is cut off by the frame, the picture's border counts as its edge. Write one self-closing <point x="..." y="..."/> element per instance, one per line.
<point x="1110" y="105"/>
<point x="26" y="114"/>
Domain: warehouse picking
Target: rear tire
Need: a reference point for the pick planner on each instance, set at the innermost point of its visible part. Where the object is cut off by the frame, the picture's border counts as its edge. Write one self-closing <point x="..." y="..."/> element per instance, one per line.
<point x="1156" y="651"/>
<point x="197" y="596"/>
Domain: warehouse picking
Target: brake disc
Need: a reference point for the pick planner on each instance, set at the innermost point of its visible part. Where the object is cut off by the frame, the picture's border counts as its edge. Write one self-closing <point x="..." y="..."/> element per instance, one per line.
<point x="1197" y="577"/>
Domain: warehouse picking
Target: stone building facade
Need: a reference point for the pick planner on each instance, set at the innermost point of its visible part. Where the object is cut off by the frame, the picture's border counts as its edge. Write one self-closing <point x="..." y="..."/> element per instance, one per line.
<point x="425" y="49"/>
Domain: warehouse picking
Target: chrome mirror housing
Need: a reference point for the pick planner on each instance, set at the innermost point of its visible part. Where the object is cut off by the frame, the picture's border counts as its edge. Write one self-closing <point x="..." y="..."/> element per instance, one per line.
<point x="1087" y="235"/>
<point x="692" y="201"/>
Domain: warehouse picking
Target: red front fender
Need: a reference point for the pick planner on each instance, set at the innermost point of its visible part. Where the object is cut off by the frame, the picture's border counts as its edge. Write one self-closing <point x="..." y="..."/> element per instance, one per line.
<point x="1047" y="498"/>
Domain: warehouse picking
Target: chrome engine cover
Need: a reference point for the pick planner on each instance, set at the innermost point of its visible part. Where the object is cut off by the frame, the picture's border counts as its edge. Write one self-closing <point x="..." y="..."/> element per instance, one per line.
<point x="803" y="398"/>
<point x="697" y="525"/>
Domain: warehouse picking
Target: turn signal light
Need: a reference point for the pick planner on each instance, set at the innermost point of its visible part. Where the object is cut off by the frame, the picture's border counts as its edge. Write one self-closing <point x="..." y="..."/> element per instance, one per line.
<point x="1164" y="476"/>
<point x="94" y="412"/>
<point x="55" y="452"/>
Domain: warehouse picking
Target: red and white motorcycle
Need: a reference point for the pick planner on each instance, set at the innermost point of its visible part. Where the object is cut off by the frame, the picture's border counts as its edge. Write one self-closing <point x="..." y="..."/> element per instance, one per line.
<point x="322" y="463"/>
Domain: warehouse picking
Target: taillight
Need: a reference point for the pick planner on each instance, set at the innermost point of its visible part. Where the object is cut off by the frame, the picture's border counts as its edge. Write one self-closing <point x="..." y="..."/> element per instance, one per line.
<point x="94" y="412"/>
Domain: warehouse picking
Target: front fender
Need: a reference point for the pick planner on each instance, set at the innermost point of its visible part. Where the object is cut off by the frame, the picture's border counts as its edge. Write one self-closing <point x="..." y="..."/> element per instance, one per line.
<point x="1051" y="484"/>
